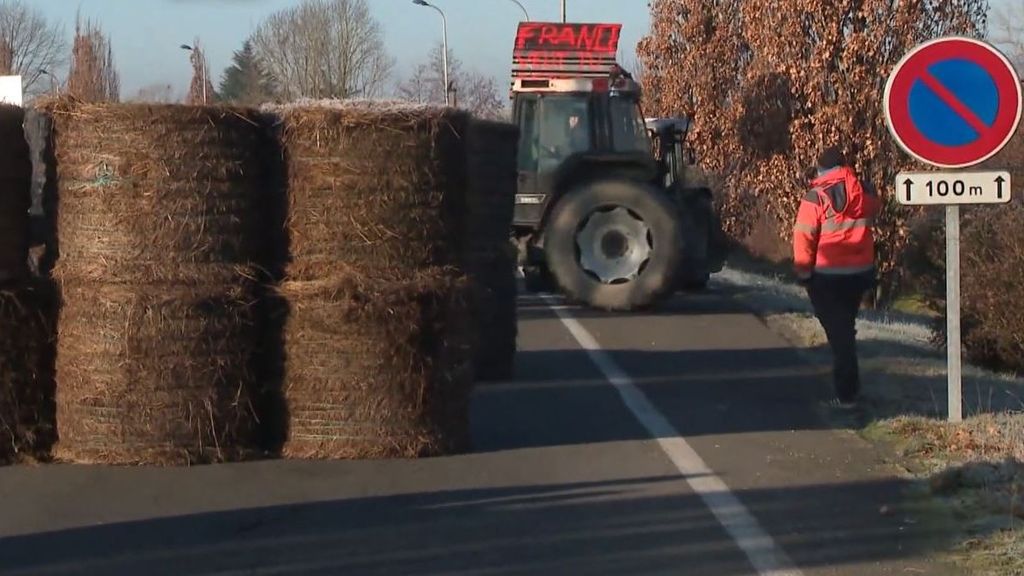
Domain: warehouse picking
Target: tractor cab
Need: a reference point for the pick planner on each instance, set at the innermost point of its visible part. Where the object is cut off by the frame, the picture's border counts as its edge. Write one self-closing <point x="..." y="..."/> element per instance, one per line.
<point x="600" y="213"/>
<point x="668" y="137"/>
<point x="578" y="112"/>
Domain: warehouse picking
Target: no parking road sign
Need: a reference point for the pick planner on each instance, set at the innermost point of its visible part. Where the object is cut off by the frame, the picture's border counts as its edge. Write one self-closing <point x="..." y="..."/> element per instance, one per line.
<point x="953" y="102"/>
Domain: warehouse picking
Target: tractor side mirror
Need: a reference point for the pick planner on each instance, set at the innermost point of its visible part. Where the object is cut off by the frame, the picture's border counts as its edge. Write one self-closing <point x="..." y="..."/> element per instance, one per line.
<point x="690" y="157"/>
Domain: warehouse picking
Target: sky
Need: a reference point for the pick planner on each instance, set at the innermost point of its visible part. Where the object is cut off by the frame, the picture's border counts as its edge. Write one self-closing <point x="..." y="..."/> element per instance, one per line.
<point x="146" y="35"/>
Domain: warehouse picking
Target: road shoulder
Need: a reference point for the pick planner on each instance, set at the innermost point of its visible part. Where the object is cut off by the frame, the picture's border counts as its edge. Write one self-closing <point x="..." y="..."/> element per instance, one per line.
<point x="967" y="477"/>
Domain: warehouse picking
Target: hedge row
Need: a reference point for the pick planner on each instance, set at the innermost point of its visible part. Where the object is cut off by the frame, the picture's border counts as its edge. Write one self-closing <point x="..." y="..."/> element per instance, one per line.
<point x="991" y="270"/>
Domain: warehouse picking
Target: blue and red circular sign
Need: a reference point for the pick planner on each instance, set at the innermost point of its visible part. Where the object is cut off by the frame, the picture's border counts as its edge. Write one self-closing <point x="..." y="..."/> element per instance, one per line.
<point x="953" y="102"/>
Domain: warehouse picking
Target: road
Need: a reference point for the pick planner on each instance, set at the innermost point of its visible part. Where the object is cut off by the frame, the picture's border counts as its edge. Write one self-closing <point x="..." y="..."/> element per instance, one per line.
<point x="683" y="441"/>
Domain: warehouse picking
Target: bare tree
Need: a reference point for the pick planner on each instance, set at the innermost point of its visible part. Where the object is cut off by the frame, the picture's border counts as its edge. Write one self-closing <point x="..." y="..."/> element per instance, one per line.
<point x="324" y="49"/>
<point x="28" y="43"/>
<point x="475" y="92"/>
<point x="157" y="94"/>
<point x="92" y="76"/>
<point x="1008" y="32"/>
<point x="6" y="59"/>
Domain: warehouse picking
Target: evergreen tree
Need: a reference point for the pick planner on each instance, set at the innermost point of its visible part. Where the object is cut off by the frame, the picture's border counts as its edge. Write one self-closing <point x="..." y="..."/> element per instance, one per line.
<point x="246" y="82"/>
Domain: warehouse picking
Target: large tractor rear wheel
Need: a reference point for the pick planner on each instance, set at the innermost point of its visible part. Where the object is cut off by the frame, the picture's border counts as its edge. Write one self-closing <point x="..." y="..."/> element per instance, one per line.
<point x="615" y="245"/>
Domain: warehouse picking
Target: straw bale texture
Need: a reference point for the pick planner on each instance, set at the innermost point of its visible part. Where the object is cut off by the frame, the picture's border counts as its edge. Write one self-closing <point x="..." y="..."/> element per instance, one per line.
<point x="15" y="186"/>
<point x="161" y="231"/>
<point x="492" y="181"/>
<point x="496" y="310"/>
<point x="375" y="189"/>
<point x="377" y="369"/>
<point x="151" y="193"/>
<point x="155" y="374"/>
<point x="27" y="314"/>
<point x="492" y="174"/>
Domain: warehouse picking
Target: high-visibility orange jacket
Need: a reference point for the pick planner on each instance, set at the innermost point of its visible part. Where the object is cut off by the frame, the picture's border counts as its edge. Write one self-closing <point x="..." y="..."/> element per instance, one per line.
<point x="833" y="232"/>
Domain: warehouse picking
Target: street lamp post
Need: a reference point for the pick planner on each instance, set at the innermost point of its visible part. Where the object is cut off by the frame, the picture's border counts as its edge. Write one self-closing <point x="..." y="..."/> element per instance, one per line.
<point x="563" y="11"/>
<point x="53" y="80"/>
<point x="444" y="45"/>
<point x="523" y="8"/>
<point x="202" y="69"/>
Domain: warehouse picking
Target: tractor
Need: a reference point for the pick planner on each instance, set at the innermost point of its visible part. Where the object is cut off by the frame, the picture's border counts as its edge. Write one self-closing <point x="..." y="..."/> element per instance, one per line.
<point x="607" y="211"/>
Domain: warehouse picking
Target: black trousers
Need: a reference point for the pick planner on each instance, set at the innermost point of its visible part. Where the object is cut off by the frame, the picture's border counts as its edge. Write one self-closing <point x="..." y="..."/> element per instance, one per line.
<point x="836" y="300"/>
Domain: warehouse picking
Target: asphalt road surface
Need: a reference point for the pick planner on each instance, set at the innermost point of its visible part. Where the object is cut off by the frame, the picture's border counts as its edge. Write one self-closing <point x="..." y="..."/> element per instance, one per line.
<point x="686" y="441"/>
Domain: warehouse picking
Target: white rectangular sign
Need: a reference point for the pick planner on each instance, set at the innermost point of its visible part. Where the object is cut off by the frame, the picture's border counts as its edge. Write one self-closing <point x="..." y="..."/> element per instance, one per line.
<point x="10" y="90"/>
<point x="946" y="188"/>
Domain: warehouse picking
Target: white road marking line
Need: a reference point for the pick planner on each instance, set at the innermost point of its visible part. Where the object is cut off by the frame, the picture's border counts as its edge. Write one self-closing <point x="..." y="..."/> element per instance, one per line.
<point x="764" y="554"/>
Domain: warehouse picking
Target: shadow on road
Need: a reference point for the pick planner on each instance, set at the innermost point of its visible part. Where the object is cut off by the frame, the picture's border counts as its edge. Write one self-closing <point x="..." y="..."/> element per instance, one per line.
<point x="559" y="398"/>
<point x="537" y="306"/>
<point x="612" y="528"/>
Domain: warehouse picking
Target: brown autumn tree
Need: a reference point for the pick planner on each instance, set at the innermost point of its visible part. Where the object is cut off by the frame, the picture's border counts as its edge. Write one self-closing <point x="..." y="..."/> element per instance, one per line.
<point x="769" y="84"/>
<point x="200" y="91"/>
<point x="93" y="76"/>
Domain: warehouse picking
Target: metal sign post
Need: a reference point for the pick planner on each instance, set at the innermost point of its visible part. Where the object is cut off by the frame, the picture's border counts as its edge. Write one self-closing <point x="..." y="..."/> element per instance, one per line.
<point x="954" y="382"/>
<point x="953" y="103"/>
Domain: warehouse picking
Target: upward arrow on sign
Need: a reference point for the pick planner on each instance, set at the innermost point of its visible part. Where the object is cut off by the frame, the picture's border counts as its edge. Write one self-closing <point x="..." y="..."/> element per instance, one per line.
<point x="909" y="184"/>
<point x="999" y="186"/>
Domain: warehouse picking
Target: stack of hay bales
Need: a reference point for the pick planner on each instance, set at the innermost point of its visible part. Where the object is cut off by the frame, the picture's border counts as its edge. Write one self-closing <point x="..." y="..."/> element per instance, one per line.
<point x="160" y="243"/>
<point x="378" y="338"/>
<point x="490" y="255"/>
<point x="26" y="307"/>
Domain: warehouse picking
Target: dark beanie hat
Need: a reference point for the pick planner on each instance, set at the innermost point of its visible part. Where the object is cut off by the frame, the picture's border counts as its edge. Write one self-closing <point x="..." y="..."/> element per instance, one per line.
<point x="831" y="157"/>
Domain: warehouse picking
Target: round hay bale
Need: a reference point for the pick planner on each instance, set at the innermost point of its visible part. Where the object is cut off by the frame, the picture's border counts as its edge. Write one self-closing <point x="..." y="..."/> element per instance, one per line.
<point x="492" y="181"/>
<point x="15" y="187"/>
<point x="496" y="308"/>
<point x="375" y="188"/>
<point x="159" y="193"/>
<point x="155" y="374"/>
<point x="27" y="324"/>
<point x="378" y="370"/>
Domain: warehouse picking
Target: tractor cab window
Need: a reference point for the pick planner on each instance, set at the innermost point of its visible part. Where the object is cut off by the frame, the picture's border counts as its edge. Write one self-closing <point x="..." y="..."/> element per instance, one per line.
<point x="564" y="129"/>
<point x="528" y="139"/>
<point x="629" y="132"/>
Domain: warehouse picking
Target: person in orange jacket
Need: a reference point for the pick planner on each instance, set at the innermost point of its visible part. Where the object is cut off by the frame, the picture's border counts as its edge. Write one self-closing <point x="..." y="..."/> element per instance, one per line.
<point x="834" y="259"/>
